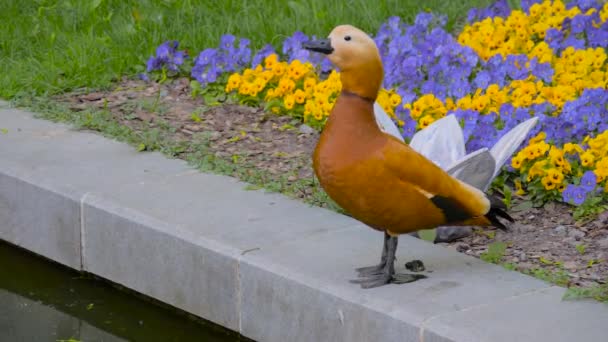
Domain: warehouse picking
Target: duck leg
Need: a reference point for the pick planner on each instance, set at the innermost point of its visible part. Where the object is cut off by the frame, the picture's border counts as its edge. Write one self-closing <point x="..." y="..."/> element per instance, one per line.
<point x="376" y="269"/>
<point x="387" y="274"/>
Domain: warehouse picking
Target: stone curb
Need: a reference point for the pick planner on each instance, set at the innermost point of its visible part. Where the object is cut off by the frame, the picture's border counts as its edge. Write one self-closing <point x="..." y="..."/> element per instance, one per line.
<point x="269" y="267"/>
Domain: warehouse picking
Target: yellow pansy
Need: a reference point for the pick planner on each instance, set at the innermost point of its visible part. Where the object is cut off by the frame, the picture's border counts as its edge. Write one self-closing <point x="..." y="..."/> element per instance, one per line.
<point x="548" y="183"/>
<point x="587" y="159"/>
<point x="289" y="101"/>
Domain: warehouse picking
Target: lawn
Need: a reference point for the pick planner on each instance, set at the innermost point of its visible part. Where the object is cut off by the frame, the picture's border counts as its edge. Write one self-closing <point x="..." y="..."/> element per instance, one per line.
<point x="82" y="62"/>
<point x="49" y="47"/>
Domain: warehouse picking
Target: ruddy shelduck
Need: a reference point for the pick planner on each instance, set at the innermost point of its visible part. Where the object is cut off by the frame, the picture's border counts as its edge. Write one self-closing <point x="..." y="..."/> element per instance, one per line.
<point x="376" y="178"/>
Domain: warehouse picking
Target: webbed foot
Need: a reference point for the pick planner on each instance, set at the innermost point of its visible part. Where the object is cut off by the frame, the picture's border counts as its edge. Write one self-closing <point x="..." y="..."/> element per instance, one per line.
<point x="371" y="270"/>
<point x="384" y="278"/>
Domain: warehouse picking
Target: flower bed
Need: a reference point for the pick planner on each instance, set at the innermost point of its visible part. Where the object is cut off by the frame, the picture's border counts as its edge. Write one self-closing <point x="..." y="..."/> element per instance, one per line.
<point x="546" y="59"/>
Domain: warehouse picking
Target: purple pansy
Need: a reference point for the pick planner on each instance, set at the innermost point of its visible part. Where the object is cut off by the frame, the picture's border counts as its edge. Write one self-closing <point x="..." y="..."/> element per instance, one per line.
<point x="228" y="57"/>
<point x="166" y="56"/>
<point x="574" y="194"/>
<point x="588" y="181"/>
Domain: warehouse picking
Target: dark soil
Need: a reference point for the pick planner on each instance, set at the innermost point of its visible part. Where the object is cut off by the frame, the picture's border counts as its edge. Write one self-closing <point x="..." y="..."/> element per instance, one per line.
<point x="277" y="144"/>
<point x="543" y="241"/>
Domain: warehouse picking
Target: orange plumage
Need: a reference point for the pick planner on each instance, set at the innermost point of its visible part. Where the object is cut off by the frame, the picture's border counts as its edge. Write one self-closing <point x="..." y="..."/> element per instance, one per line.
<point x="376" y="178"/>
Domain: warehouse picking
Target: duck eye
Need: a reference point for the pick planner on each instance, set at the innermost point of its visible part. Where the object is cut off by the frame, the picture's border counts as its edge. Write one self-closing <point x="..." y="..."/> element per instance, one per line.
<point x="347" y="38"/>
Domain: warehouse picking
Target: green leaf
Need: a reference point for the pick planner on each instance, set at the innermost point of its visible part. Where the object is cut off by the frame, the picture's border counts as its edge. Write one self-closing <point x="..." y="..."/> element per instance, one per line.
<point x="251" y="101"/>
<point x="510" y="266"/>
<point x="94" y="4"/>
<point x="141" y="147"/>
<point x="163" y="75"/>
<point x="250" y="187"/>
<point x="497" y="247"/>
<point x="496" y="250"/>
<point x="286" y="127"/>
<point x="525" y="205"/>
<point x="196" y="88"/>
<point x="508" y="195"/>
<point x="90" y="306"/>
<point x="272" y="103"/>
<point x="428" y="234"/>
<point x="513" y="4"/>
<point x="4" y="130"/>
<point x="194" y="116"/>
<point x="297" y="7"/>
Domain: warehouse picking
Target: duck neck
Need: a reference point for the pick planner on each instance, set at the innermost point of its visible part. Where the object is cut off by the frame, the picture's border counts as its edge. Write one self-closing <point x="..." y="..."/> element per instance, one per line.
<point x="354" y="109"/>
<point x="364" y="80"/>
<point x="353" y="117"/>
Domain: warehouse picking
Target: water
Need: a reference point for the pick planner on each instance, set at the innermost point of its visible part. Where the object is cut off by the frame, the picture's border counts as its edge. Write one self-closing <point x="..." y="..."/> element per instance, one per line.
<point x="43" y="301"/>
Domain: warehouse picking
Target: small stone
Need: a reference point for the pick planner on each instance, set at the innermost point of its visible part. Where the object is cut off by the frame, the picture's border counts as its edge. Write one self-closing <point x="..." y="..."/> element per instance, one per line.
<point x="192" y="127"/>
<point x="462" y="247"/>
<point x="570" y="265"/>
<point x="522" y="256"/>
<point x="525" y="265"/>
<point x="215" y="135"/>
<point x="603" y="243"/>
<point x="531" y="217"/>
<point x="415" y="266"/>
<point x="603" y="217"/>
<point x="576" y="234"/>
<point x="560" y="230"/>
<point x="305" y="129"/>
<point x="449" y="234"/>
<point x="92" y="97"/>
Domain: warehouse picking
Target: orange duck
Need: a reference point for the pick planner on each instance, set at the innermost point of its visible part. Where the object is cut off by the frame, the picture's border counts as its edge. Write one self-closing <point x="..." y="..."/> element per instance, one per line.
<point x="376" y="178"/>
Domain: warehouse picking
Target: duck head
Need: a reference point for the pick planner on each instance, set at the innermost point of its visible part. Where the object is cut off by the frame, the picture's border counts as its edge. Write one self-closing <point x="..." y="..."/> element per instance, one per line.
<point x="356" y="55"/>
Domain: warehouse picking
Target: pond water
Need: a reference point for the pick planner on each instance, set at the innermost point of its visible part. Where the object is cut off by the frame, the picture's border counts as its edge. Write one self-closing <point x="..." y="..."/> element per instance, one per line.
<point x="43" y="301"/>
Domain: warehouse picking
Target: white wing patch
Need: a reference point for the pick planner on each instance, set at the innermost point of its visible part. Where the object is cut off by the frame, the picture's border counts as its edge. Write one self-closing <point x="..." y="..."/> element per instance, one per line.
<point x="424" y="192"/>
<point x="479" y="194"/>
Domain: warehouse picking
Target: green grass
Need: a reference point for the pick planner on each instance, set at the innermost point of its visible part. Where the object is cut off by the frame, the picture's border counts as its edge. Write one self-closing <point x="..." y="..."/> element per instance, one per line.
<point x="597" y="292"/>
<point x="496" y="250"/>
<point x="558" y="277"/>
<point x="53" y="46"/>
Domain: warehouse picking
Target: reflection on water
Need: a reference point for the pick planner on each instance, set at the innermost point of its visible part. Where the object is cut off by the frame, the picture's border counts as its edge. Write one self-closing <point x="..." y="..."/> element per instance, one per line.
<point x="43" y="301"/>
<point x="24" y="319"/>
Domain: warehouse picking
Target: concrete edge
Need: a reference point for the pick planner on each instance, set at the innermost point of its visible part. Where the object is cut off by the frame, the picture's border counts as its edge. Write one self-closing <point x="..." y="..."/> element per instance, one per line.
<point x="92" y="217"/>
<point x="91" y="201"/>
<point x="105" y="223"/>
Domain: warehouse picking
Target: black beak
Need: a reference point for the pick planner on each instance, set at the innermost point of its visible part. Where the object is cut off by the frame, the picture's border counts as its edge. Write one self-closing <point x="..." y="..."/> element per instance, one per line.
<point x="320" y="45"/>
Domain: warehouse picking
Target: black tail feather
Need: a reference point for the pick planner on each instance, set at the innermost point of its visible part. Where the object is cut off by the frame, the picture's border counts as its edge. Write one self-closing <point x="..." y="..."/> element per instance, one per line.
<point x="498" y="209"/>
<point x="455" y="212"/>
